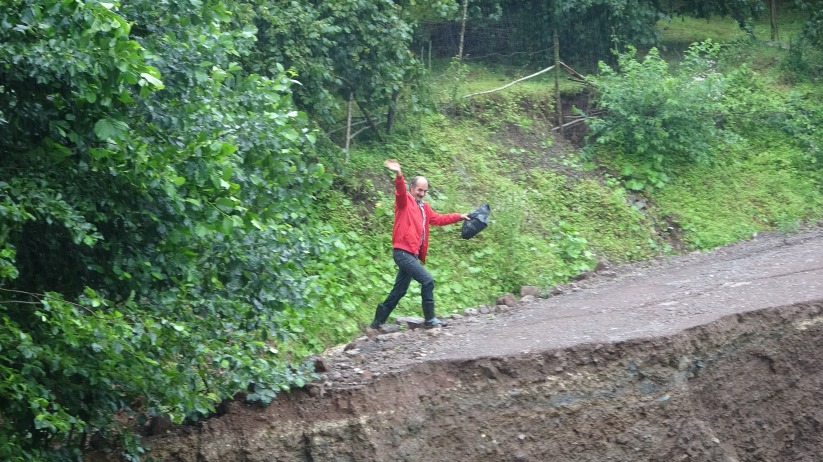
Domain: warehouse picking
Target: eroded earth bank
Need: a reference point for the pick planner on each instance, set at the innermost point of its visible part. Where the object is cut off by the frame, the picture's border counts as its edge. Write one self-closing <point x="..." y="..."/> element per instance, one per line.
<point x="704" y="357"/>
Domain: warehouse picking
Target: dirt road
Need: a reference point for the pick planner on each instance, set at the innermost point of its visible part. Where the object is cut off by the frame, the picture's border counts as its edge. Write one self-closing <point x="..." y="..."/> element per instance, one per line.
<point x="644" y="300"/>
<point x="661" y="298"/>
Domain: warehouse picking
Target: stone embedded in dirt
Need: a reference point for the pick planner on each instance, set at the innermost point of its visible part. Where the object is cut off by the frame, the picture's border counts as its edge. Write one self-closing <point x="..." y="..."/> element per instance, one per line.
<point x="158" y="424"/>
<point x="388" y="337"/>
<point x="583" y="275"/>
<point x="317" y="362"/>
<point x="530" y="290"/>
<point x="315" y="390"/>
<point x="502" y="308"/>
<point x="471" y="312"/>
<point x="389" y="328"/>
<point x="350" y="346"/>
<point x="370" y="333"/>
<point x="456" y="316"/>
<point x="636" y="201"/>
<point x="484" y="310"/>
<point x="602" y="264"/>
<point x="508" y="299"/>
<point x="565" y="289"/>
<point x="411" y="322"/>
<point x="528" y="299"/>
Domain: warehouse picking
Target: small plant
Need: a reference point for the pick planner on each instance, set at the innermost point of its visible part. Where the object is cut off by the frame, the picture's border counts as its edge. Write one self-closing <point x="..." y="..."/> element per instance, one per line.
<point x="573" y="251"/>
<point x="457" y="74"/>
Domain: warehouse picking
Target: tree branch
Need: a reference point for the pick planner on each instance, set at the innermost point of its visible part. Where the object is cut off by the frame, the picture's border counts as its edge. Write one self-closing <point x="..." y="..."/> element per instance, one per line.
<point x="512" y="83"/>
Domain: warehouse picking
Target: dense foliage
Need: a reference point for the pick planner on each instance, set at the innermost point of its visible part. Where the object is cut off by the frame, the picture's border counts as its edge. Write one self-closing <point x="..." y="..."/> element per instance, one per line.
<point x="659" y="119"/>
<point x="154" y="218"/>
<point x="315" y="40"/>
<point x="813" y="27"/>
<point x="340" y="50"/>
<point x="586" y="29"/>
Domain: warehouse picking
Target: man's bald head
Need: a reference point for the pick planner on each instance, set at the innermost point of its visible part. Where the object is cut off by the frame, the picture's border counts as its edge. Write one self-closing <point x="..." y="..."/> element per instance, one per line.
<point x="418" y="186"/>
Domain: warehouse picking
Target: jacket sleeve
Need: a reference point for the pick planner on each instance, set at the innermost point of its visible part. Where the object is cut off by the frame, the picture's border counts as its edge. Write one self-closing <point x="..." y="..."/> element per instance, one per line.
<point x="441" y="220"/>
<point x="399" y="191"/>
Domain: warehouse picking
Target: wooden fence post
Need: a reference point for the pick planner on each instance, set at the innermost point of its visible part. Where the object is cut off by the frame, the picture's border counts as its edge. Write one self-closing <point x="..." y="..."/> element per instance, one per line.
<point x="463" y="30"/>
<point x="557" y="70"/>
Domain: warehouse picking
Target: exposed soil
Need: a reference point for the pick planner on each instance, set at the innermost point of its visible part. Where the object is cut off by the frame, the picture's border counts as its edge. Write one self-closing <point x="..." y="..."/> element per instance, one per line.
<point x="703" y="357"/>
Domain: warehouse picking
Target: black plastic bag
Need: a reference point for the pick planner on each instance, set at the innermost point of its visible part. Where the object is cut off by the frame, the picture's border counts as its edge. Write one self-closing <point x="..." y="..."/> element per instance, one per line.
<point x="478" y="221"/>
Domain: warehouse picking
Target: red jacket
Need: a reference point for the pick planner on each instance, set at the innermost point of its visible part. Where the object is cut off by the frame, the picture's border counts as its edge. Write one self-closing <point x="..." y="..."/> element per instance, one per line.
<point x="408" y="221"/>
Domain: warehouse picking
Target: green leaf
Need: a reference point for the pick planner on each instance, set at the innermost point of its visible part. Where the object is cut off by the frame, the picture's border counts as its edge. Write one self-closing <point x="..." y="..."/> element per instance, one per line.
<point x="227" y="225"/>
<point x="107" y="129"/>
<point x="157" y="83"/>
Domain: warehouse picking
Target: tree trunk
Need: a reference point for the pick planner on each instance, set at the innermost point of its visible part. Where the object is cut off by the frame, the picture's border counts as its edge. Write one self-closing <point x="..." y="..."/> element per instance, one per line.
<point x="773" y="19"/>
<point x="557" y="103"/>
<point x="390" y="113"/>
<point x="371" y="122"/>
<point x="348" y="125"/>
<point x="463" y="30"/>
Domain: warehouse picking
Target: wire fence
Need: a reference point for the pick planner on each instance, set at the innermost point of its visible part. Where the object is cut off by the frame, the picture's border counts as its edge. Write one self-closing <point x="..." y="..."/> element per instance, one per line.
<point x="519" y="38"/>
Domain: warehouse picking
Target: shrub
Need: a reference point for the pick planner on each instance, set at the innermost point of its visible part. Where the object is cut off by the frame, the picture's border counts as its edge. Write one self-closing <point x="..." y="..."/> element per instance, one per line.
<point x="655" y="119"/>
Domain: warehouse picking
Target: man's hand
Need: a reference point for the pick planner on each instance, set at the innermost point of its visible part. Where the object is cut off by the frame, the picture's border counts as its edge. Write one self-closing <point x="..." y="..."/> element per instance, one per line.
<point x="465" y="217"/>
<point x="393" y="165"/>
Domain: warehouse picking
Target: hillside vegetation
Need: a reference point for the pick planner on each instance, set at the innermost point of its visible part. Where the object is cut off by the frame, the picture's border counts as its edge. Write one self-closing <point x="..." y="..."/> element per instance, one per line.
<point x="712" y="147"/>
<point x="193" y="197"/>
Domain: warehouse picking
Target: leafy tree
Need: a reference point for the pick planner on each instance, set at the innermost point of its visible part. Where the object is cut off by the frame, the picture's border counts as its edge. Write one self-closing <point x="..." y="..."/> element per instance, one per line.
<point x="154" y="204"/>
<point x="341" y="49"/>
<point x="813" y="26"/>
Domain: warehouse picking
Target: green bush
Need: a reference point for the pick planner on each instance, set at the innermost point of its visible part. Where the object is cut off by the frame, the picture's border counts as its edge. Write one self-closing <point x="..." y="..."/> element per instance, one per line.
<point x="656" y="120"/>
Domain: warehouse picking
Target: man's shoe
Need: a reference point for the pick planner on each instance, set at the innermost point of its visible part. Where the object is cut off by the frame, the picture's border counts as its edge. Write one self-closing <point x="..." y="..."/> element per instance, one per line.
<point x="434" y="322"/>
<point x="381" y="314"/>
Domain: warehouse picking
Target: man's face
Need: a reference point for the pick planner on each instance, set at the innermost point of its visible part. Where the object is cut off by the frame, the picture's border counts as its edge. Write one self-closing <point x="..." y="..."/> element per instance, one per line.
<point x="418" y="190"/>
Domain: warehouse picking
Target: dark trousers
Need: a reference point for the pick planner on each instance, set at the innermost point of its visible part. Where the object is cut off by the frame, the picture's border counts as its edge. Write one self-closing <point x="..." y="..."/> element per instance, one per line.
<point x="408" y="268"/>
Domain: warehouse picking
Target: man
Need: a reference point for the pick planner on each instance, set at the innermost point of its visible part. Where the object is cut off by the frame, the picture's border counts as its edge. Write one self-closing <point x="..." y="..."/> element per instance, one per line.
<point x="410" y="241"/>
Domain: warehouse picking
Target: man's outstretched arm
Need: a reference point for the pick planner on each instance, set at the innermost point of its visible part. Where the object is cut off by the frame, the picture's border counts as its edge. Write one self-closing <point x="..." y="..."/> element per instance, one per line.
<point x="399" y="182"/>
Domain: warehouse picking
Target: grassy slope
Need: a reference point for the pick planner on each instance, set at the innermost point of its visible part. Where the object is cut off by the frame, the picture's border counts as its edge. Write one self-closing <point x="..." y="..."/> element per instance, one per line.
<point x="763" y="182"/>
<point x="552" y="218"/>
